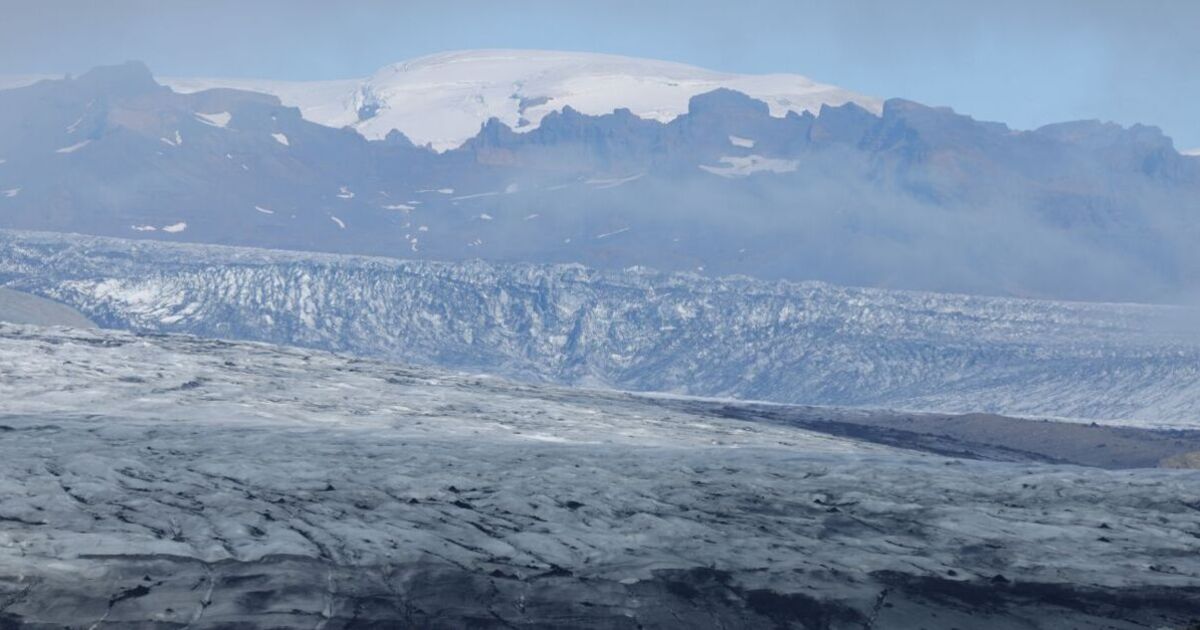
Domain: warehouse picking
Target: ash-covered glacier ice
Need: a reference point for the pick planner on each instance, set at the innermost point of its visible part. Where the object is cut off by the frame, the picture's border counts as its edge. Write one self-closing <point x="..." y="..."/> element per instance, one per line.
<point x="166" y="481"/>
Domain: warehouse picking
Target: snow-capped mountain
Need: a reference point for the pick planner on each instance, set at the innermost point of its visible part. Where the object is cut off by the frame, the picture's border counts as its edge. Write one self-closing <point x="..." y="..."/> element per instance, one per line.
<point x="177" y="482"/>
<point x="443" y="99"/>
<point x="641" y="330"/>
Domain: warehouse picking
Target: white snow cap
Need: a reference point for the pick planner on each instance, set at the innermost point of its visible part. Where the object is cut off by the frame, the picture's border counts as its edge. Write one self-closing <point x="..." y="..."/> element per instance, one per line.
<point x="1191" y="152"/>
<point x="443" y="99"/>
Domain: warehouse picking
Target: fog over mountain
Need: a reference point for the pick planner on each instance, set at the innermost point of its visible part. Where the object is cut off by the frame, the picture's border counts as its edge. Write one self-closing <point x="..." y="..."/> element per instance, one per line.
<point x="909" y="196"/>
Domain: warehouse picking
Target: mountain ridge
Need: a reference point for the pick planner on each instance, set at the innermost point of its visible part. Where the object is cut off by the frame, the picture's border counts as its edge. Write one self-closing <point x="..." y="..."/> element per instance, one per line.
<point x="916" y="197"/>
<point x="442" y="99"/>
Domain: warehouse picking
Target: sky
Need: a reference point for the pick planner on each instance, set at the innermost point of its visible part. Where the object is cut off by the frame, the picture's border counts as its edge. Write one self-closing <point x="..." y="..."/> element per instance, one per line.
<point x="1022" y="62"/>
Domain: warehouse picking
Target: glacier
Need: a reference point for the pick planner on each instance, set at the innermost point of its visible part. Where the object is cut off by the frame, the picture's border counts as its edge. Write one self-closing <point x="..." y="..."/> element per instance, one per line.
<point x="667" y="347"/>
<point x="171" y="481"/>
<point x="735" y="337"/>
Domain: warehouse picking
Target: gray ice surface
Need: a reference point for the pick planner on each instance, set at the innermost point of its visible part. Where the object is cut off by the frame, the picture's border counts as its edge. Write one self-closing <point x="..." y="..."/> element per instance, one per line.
<point x="169" y="482"/>
<point x="22" y="308"/>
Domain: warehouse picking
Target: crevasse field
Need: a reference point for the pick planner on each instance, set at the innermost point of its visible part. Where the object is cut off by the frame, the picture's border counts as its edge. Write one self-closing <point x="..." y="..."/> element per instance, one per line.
<point x="809" y="343"/>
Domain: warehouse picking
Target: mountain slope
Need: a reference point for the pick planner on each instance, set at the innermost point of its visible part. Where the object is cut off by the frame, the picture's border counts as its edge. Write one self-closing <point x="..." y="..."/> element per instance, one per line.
<point x="443" y="99"/>
<point x="915" y="197"/>
<point x="804" y="343"/>
<point x="211" y="484"/>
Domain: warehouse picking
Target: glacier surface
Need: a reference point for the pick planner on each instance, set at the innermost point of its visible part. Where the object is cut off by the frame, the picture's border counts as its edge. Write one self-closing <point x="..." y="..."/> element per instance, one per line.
<point x="808" y="343"/>
<point x="166" y="481"/>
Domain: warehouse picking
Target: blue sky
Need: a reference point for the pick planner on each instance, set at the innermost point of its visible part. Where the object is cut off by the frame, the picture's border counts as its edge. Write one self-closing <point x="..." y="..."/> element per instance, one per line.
<point x="1023" y="62"/>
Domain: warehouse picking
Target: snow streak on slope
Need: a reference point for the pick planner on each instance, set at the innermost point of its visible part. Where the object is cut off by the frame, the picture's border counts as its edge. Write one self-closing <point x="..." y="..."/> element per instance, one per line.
<point x="205" y="484"/>
<point x="443" y="99"/>
<point x="806" y="343"/>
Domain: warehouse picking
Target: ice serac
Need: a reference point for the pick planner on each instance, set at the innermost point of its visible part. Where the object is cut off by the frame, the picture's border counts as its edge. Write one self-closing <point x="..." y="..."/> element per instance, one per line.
<point x="213" y="484"/>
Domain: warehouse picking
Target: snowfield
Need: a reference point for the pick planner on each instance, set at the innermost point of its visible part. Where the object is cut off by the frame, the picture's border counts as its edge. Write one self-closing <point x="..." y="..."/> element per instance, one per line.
<point x="181" y="481"/>
<point x="443" y="99"/>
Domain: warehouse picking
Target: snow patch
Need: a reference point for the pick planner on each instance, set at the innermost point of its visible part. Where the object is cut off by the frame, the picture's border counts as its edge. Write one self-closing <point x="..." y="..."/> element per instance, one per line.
<point x="485" y="217"/>
<point x="474" y="196"/>
<point x="403" y="207"/>
<point x="345" y="193"/>
<point x="219" y="119"/>
<point x="11" y="192"/>
<point x="1191" y="152"/>
<point x="613" y="233"/>
<point x="744" y="143"/>
<point x="175" y="228"/>
<point x="178" y="140"/>
<point x="339" y="222"/>
<point x="143" y="228"/>
<point x="264" y="210"/>
<point x="750" y="164"/>
<point x="281" y="139"/>
<point x="601" y="184"/>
